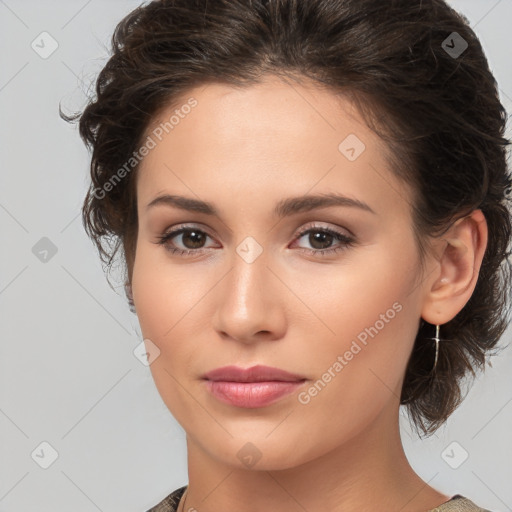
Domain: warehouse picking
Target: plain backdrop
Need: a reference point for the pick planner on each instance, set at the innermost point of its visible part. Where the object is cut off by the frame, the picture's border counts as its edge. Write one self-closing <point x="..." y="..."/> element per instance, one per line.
<point x="82" y="426"/>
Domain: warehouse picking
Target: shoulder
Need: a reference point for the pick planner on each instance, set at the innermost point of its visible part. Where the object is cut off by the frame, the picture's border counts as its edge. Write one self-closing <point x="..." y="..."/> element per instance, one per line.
<point x="169" y="503"/>
<point x="459" y="503"/>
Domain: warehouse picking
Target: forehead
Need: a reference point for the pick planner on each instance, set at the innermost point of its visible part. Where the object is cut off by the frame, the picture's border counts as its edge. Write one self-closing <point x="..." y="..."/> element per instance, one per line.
<point x="274" y="136"/>
<point x="257" y="113"/>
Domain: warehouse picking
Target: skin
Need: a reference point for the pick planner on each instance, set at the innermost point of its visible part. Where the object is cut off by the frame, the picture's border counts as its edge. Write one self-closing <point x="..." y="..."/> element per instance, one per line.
<point x="244" y="150"/>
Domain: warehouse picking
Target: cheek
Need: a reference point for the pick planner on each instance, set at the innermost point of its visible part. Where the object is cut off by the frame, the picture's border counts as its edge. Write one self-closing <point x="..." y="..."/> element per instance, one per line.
<point x="359" y="372"/>
<point x="159" y="304"/>
<point x="370" y="314"/>
<point x="161" y="292"/>
<point x="167" y="302"/>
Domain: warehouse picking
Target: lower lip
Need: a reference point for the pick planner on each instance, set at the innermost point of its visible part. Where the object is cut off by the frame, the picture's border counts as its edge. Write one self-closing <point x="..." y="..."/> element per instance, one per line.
<point x="251" y="394"/>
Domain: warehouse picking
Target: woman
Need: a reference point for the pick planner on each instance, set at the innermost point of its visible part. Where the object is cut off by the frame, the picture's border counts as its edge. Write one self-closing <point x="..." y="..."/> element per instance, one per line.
<point x="310" y="198"/>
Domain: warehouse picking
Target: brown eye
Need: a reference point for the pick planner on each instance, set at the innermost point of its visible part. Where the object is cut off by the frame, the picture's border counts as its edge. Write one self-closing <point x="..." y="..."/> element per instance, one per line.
<point x="321" y="240"/>
<point x="192" y="239"/>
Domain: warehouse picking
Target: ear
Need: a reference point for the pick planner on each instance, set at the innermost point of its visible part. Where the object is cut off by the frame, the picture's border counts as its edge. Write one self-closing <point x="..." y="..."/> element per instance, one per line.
<point x="453" y="280"/>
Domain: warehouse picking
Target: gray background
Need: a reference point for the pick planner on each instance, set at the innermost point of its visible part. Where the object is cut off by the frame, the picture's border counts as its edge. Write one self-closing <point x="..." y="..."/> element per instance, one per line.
<point x="68" y="375"/>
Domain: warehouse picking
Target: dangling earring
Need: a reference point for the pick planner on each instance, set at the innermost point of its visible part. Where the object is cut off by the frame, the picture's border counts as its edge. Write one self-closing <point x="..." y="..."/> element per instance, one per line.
<point x="436" y="339"/>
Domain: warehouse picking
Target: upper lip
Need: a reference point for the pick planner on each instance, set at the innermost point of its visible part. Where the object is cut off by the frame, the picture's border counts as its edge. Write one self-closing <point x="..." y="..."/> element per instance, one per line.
<point x="256" y="373"/>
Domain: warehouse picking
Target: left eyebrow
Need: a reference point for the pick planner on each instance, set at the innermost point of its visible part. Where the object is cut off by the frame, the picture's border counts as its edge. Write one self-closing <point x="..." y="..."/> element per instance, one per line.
<point x="283" y="208"/>
<point x="294" y="205"/>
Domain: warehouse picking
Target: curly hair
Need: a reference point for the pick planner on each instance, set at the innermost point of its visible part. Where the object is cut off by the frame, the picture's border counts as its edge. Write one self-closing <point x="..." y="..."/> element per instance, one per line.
<point x="418" y="75"/>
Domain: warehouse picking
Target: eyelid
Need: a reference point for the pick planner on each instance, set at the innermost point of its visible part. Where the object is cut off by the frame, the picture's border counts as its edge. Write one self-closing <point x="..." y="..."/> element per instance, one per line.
<point x="345" y="240"/>
<point x="315" y="225"/>
<point x="299" y="232"/>
<point x="173" y="230"/>
<point x="180" y="228"/>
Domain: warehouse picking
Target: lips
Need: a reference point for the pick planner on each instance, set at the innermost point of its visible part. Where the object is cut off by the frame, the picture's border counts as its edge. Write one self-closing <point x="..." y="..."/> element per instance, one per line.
<point x="251" y="388"/>
<point x="258" y="373"/>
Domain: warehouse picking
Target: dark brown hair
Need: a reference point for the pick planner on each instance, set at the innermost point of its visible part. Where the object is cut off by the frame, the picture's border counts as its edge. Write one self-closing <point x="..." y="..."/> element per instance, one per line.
<point x="418" y="74"/>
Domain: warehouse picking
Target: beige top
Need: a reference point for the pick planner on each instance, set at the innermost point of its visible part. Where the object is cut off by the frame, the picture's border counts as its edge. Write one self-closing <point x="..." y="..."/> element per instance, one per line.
<point x="457" y="503"/>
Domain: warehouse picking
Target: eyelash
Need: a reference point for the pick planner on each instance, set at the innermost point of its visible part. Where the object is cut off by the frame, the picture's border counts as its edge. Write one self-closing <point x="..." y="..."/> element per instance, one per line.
<point x="344" y="239"/>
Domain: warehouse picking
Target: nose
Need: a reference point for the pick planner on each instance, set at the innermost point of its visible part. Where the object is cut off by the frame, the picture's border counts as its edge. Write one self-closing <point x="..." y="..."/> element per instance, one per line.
<point x="250" y="302"/>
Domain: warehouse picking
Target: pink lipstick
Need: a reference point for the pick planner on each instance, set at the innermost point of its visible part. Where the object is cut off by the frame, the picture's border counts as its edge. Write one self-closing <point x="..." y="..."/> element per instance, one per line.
<point x="253" y="387"/>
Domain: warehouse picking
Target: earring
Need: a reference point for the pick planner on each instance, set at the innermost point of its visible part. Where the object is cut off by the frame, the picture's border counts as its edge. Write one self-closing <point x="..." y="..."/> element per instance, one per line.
<point x="436" y="339"/>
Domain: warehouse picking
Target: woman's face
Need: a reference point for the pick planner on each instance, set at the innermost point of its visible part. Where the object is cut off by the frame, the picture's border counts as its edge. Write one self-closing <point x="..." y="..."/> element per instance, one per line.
<point x="339" y="306"/>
